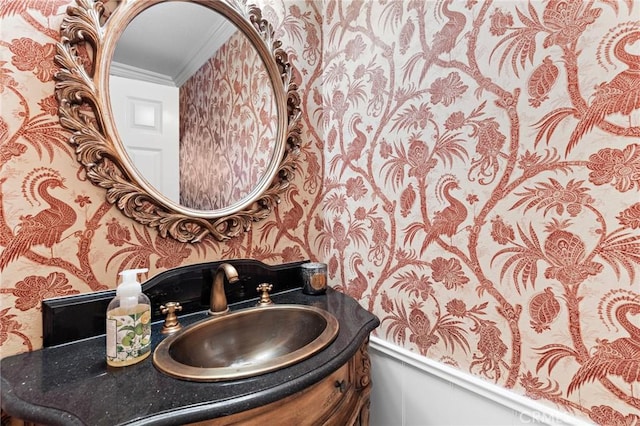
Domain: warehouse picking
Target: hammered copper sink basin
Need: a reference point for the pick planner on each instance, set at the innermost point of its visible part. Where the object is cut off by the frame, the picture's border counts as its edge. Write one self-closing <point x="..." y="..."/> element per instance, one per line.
<point x="246" y="343"/>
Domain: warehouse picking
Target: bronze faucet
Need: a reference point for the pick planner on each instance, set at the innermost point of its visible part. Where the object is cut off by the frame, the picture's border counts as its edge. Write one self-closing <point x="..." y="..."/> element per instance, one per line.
<point x="218" y="302"/>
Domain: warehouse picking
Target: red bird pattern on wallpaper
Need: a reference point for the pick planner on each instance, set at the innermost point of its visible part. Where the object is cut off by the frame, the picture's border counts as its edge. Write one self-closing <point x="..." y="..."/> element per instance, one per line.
<point x="621" y="95"/>
<point x="443" y="41"/>
<point x="446" y="38"/>
<point x="290" y="219"/>
<point x="358" y="284"/>
<point x="351" y="14"/>
<point x="620" y="357"/>
<point x="47" y="226"/>
<point x="445" y="221"/>
<point x="354" y="151"/>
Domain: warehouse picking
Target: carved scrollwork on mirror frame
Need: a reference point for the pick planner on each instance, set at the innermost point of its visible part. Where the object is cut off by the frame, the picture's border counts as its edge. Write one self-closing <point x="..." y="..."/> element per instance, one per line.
<point x="88" y="36"/>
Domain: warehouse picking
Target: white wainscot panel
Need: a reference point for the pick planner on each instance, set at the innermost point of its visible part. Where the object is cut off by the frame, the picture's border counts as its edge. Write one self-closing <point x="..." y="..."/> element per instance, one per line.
<point x="410" y="390"/>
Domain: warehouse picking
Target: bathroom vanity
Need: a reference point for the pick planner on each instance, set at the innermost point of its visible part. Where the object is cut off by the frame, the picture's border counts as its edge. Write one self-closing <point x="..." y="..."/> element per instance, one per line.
<point x="69" y="382"/>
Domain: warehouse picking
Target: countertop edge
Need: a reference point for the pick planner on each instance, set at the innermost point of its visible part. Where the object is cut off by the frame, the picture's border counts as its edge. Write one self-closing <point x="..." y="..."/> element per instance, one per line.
<point x="34" y="413"/>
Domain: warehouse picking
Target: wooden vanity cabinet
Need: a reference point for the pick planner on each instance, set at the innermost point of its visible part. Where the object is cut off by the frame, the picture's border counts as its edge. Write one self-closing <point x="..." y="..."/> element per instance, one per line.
<point x="7" y="420"/>
<point x="340" y="399"/>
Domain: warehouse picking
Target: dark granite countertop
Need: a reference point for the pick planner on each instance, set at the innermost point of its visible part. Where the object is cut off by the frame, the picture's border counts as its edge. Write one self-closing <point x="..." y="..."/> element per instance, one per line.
<point x="70" y="384"/>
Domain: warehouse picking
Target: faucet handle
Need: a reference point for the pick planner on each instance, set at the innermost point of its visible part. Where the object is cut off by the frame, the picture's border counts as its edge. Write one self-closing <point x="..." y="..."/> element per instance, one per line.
<point x="264" y="289"/>
<point x="171" y="324"/>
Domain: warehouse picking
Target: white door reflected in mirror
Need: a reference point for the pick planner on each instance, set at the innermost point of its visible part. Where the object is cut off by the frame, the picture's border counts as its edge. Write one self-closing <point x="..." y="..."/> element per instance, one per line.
<point x="147" y="117"/>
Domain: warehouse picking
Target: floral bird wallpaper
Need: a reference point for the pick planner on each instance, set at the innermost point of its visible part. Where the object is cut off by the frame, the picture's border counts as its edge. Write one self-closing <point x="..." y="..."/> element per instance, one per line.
<point x="470" y="172"/>
<point x="227" y="118"/>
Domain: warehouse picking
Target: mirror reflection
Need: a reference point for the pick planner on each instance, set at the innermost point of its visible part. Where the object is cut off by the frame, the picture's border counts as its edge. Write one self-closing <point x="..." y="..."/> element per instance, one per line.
<point x="193" y="104"/>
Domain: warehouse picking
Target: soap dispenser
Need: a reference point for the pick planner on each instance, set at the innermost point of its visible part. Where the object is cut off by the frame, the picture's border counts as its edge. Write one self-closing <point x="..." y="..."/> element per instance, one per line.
<point x="128" y="322"/>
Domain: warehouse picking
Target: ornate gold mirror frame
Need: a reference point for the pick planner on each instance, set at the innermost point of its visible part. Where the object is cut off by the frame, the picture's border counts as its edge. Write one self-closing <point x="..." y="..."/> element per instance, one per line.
<point x="88" y="37"/>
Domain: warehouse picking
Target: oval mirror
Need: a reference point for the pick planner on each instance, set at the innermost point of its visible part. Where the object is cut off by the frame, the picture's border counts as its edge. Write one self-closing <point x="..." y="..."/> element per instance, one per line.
<point x="195" y="144"/>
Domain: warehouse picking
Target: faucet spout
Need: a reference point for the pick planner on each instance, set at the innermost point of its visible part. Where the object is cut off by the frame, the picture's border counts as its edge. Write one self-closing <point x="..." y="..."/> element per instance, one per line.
<point x="218" y="301"/>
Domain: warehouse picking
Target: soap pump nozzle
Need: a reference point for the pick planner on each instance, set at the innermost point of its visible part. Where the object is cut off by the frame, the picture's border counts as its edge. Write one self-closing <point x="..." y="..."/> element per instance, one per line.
<point x="130" y="287"/>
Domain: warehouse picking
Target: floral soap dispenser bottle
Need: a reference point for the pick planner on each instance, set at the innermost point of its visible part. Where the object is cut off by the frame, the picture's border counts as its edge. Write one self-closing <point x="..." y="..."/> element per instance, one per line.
<point x="128" y="322"/>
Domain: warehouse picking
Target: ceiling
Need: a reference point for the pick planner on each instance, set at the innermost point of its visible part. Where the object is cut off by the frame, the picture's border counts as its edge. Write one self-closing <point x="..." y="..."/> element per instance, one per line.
<point x="168" y="42"/>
